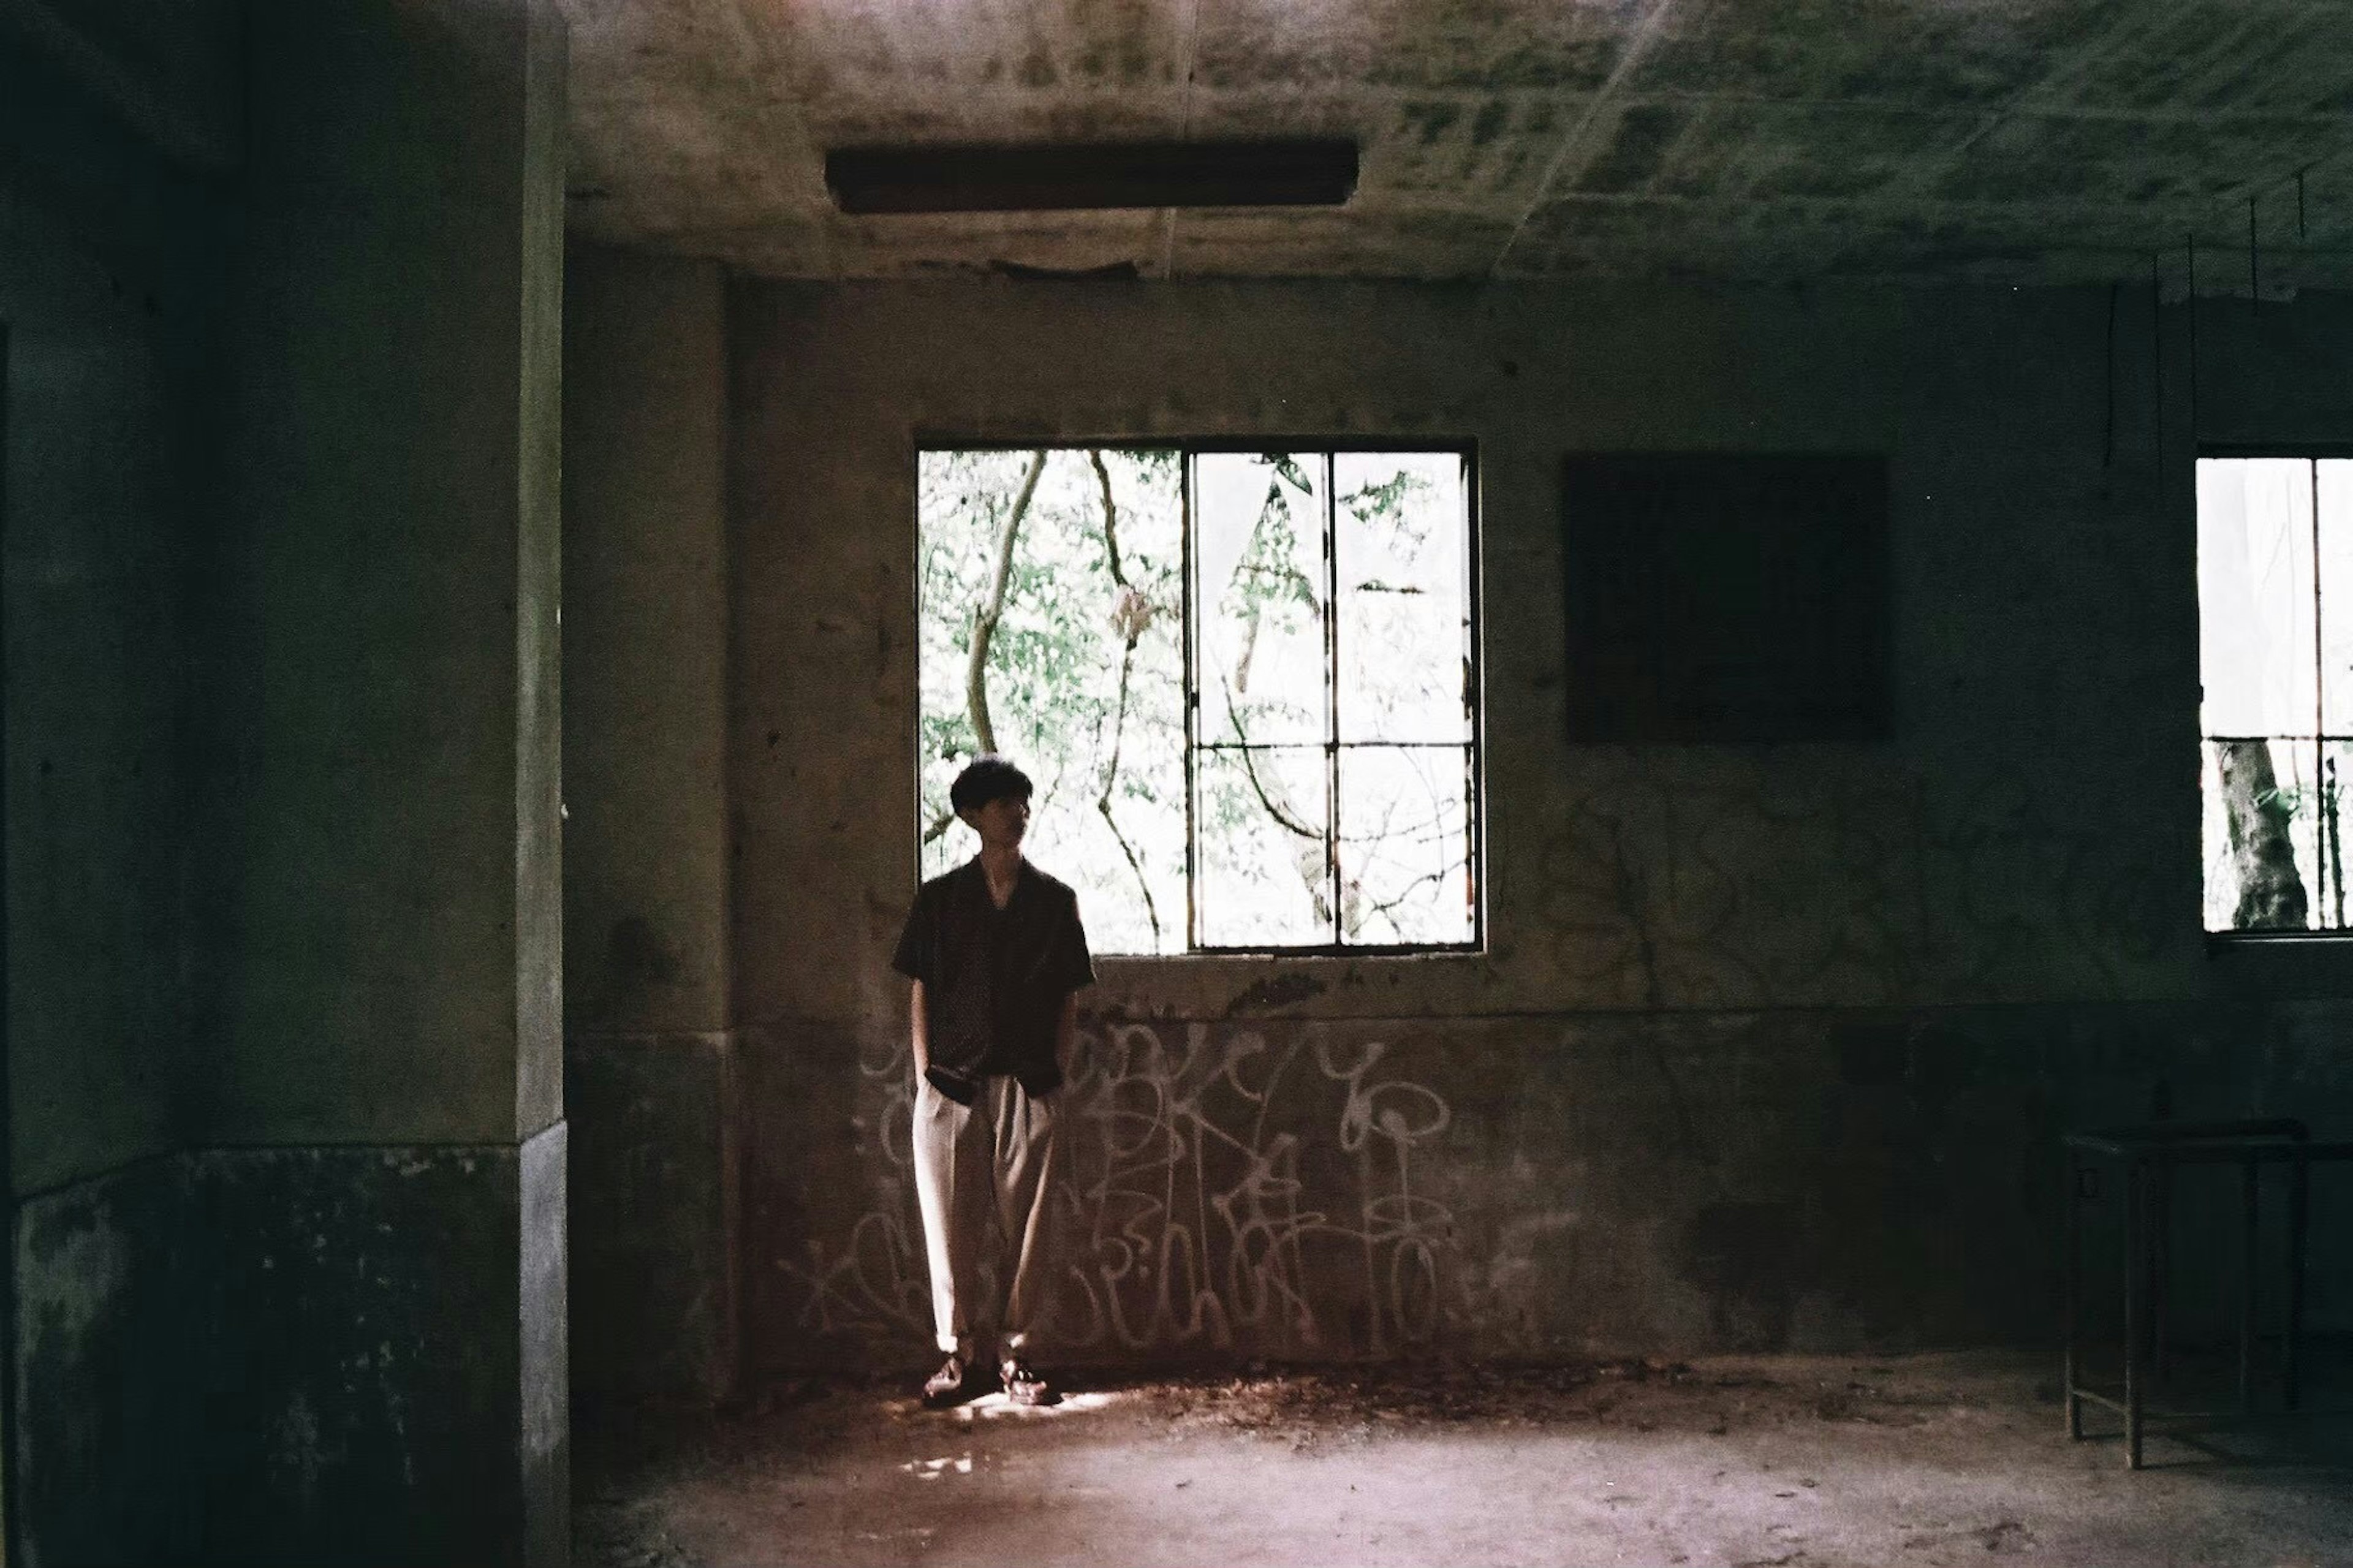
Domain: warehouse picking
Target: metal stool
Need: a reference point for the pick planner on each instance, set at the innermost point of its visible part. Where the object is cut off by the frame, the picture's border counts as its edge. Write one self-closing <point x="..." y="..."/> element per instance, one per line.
<point x="2149" y="1155"/>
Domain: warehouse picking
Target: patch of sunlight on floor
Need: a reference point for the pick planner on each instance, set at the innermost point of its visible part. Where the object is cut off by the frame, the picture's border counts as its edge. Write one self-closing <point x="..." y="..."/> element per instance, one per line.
<point x="998" y="1407"/>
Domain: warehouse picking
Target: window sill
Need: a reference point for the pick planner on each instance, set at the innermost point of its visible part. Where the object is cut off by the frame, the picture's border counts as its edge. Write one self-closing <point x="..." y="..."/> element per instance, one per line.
<point x="2224" y="941"/>
<point x="1229" y="984"/>
<point x="2281" y="963"/>
<point x="1240" y="960"/>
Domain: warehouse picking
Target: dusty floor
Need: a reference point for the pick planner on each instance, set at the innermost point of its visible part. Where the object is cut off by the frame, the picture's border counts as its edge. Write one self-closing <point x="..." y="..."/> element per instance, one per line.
<point x="1791" y="1461"/>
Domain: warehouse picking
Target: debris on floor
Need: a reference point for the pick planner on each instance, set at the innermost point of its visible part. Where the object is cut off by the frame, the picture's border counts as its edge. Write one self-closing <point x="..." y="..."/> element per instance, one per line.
<point x="1786" y="1460"/>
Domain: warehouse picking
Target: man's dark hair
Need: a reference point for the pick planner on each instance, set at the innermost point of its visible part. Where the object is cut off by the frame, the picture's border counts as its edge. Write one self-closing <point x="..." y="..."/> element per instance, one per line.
<point x="990" y="777"/>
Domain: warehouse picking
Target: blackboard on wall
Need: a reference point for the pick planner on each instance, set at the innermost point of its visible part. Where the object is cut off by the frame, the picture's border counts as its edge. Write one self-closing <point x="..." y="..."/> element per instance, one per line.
<point x="1726" y="597"/>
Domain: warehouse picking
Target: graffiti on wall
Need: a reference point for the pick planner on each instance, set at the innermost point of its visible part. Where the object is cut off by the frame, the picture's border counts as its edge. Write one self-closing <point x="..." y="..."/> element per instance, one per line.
<point x="1829" y="881"/>
<point x="1290" y="1187"/>
<point x="1216" y="1192"/>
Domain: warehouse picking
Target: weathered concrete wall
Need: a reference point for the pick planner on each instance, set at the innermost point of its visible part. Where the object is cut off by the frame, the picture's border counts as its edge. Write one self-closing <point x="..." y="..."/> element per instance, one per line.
<point x="243" y="699"/>
<point x="109" y="264"/>
<point x="1769" y="1044"/>
<point x="649" y="1077"/>
<point x="391" y="962"/>
<point x="645" y="644"/>
<point x="297" y="1355"/>
<point x="107" y="326"/>
<point x="384" y="1098"/>
<point x="656" y="1175"/>
<point x="171" y="74"/>
<point x="111" y="1271"/>
<point x="282" y="716"/>
<point x="382" y="1368"/>
<point x="1531" y="1188"/>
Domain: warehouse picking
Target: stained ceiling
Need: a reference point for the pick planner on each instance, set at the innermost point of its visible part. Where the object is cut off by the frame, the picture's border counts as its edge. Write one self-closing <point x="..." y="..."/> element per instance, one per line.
<point x="2021" y="140"/>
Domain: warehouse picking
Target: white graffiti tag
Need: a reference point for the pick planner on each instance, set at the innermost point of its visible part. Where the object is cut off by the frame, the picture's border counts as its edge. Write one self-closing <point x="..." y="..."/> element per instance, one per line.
<point x="1217" y="1193"/>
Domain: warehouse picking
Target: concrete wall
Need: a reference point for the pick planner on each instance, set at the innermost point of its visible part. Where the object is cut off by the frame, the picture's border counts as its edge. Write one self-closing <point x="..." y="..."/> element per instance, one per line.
<point x="284" y="863"/>
<point x="320" y="1354"/>
<point x="108" y="329"/>
<point x="392" y="556"/>
<point x="1769" y="1046"/>
<point x="645" y="644"/>
<point x="172" y="76"/>
<point x="650" y="1070"/>
<point x="385" y="1093"/>
<point x="109" y="263"/>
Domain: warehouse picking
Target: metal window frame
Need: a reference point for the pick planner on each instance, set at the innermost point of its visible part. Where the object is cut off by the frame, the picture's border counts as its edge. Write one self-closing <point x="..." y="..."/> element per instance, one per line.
<point x="2312" y="454"/>
<point x="1473" y="748"/>
<point x="1328" y="448"/>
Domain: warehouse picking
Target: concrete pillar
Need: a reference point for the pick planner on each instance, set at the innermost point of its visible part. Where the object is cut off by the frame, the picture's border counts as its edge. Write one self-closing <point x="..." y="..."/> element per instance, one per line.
<point x="649" y="1058"/>
<point x="107" y="292"/>
<point x="380" y="1147"/>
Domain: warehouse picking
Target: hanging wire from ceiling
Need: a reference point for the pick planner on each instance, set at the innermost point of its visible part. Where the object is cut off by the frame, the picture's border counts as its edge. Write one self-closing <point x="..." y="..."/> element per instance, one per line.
<point x="2255" y="252"/>
<point x="2280" y="277"/>
<point x="2189" y="243"/>
<point x="2108" y="422"/>
<point x="2253" y="194"/>
<point x="2156" y="367"/>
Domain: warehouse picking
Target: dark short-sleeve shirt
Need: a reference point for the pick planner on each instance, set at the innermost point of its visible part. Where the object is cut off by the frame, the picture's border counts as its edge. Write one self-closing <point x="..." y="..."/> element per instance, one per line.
<point x="994" y="980"/>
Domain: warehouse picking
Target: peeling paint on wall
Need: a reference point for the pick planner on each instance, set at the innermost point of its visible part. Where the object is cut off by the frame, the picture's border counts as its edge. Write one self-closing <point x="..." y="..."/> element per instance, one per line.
<point x="233" y="1356"/>
<point x="69" y="1281"/>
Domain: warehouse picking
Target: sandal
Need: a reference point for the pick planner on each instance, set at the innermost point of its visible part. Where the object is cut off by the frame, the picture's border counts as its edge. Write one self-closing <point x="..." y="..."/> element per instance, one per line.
<point x="952" y="1385"/>
<point x="1022" y="1386"/>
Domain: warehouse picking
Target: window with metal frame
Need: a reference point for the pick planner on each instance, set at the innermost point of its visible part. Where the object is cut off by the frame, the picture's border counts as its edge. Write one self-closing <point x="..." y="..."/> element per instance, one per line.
<point x="2275" y="663"/>
<point x="1243" y="679"/>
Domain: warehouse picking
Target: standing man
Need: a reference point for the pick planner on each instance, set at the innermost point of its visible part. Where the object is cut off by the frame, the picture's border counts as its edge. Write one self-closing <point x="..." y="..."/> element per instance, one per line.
<point x="996" y="952"/>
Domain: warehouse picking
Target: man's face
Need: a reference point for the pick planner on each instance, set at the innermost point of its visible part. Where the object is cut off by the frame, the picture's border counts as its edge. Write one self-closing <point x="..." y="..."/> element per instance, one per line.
<point x="1001" y="822"/>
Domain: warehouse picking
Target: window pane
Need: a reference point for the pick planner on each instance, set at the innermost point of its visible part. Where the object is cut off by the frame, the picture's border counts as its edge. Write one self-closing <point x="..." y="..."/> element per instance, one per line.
<point x="2333" y="480"/>
<point x="2273" y="836"/>
<point x="2254" y="596"/>
<point x="2321" y="845"/>
<point x="1264" y="880"/>
<point x="1258" y="552"/>
<point x="1405" y="845"/>
<point x="1088" y="719"/>
<point x="1404" y="605"/>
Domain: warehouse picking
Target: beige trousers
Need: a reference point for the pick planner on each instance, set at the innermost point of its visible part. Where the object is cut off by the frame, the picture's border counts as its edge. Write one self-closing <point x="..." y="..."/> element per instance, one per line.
<point x="981" y="1174"/>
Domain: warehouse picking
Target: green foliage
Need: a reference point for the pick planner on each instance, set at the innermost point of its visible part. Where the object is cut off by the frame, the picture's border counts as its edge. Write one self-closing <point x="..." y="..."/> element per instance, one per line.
<point x="1085" y="687"/>
<point x="2280" y="803"/>
<point x="1053" y="672"/>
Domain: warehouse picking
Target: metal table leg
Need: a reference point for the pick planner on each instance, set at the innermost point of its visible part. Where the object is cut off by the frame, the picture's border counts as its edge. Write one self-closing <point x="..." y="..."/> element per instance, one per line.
<point x="2160" y="1272"/>
<point x="2146" y="1160"/>
<point x="2249" y="1215"/>
<point x="2072" y="1202"/>
<point x="2137" y="1274"/>
<point x="2299" y="1194"/>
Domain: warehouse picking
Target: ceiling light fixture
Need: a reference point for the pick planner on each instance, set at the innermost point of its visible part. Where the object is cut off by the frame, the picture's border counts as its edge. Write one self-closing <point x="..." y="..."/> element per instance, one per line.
<point x="963" y="179"/>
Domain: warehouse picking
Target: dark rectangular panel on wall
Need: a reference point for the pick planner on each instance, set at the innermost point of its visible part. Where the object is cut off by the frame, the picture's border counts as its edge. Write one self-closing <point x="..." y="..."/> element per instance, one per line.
<point x="1726" y="597"/>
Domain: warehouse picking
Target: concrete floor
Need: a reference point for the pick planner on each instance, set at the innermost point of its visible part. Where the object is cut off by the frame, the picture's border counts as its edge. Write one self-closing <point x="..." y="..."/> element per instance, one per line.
<point x="1777" y="1460"/>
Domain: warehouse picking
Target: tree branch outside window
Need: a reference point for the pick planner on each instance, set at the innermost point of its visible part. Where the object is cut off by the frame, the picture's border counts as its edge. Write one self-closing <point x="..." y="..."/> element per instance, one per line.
<point x="1242" y="681"/>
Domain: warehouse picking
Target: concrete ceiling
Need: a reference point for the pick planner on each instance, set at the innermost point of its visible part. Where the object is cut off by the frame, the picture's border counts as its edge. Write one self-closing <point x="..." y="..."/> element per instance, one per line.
<point x="2021" y="140"/>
